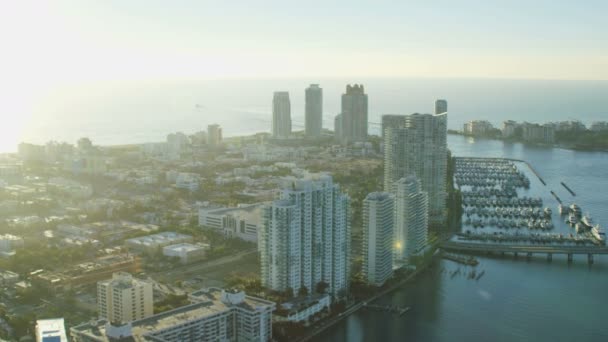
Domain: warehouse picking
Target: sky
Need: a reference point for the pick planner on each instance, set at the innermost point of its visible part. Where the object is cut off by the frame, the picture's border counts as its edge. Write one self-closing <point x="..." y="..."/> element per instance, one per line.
<point x="48" y="44"/>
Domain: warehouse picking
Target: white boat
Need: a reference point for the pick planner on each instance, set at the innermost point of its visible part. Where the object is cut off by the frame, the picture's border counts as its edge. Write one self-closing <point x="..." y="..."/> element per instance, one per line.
<point x="587" y="220"/>
<point x="576" y="210"/>
<point x="563" y="210"/>
<point x="599" y="234"/>
<point x="572" y="219"/>
<point x="580" y="228"/>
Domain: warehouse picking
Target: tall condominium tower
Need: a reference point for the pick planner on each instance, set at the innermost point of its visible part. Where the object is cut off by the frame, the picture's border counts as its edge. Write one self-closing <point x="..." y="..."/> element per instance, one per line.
<point x="441" y="106"/>
<point x="354" y="115"/>
<point x="378" y="225"/>
<point x="391" y="121"/>
<point x="314" y="110"/>
<point x="305" y="237"/>
<point x="281" y="115"/>
<point x="123" y="298"/>
<point x="214" y="135"/>
<point x="418" y="146"/>
<point x="411" y="217"/>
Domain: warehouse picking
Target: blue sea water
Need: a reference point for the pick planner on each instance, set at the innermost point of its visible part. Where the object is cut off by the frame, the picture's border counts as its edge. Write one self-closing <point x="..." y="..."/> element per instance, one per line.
<point x="135" y="112"/>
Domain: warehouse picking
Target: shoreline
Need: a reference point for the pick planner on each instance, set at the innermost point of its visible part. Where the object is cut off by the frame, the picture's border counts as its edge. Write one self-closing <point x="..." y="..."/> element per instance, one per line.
<point x="554" y="145"/>
<point x="357" y="306"/>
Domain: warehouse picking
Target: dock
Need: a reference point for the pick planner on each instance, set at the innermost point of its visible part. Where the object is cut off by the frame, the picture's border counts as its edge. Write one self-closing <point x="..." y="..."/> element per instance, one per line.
<point x="471" y="261"/>
<point x="567" y="188"/>
<point x="559" y="200"/>
<point x="388" y="308"/>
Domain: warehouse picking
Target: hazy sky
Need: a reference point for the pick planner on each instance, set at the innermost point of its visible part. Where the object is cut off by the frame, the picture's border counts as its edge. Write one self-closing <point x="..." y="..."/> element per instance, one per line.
<point x="49" y="41"/>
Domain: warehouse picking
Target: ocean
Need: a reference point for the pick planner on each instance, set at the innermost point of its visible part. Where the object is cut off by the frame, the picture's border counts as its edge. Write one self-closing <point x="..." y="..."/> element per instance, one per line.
<point x="136" y="112"/>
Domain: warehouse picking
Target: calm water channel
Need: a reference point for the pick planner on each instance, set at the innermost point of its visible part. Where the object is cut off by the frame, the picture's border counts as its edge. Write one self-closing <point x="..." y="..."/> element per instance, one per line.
<point x="515" y="300"/>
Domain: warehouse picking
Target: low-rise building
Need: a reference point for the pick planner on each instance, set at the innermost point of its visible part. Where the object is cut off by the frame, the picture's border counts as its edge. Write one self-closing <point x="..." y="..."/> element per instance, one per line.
<point x="569" y="126"/>
<point x="214" y="315"/>
<point x="88" y="272"/>
<point x="51" y="330"/>
<point x="154" y="242"/>
<point x="538" y="133"/>
<point x="8" y="278"/>
<point x="186" y="252"/>
<point x="8" y="244"/>
<point x="69" y="187"/>
<point x="599" y="126"/>
<point x="478" y="127"/>
<point x="301" y="310"/>
<point x="510" y="128"/>
<point x="241" y="222"/>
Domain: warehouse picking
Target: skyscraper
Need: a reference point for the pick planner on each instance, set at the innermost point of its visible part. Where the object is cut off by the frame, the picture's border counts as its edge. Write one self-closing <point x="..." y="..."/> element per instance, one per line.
<point x="354" y="115"/>
<point x="391" y="121"/>
<point x="305" y="237"/>
<point x="123" y="298"/>
<point x="441" y="106"/>
<point x="418" y="146"/>
<point x="411" y="217"/>
<point x="214" y="135"/>
<point x="378" y="225"/>
<point x="281" y="115"/>
<point x="314" y="110"/>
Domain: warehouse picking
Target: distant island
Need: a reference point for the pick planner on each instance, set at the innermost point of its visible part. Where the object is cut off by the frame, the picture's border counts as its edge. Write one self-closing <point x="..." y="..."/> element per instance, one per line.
<point x="565" y="134"/>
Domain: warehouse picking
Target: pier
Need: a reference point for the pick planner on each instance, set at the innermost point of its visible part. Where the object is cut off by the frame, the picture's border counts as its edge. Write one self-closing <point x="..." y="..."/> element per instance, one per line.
<point x="528" y="250"/>
<point x="388" y="308"/>
<point x="568" y="188"/>
<point x="460" y="259"/>
<point x="559" y="200"/>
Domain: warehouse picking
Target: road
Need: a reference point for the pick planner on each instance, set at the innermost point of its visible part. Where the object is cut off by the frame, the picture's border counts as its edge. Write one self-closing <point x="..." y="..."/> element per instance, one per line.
<point x="181" y="271"/>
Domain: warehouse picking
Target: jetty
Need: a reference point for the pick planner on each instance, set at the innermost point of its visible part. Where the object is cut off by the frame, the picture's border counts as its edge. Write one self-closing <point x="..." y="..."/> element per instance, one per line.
<point x="461" y="259"/>
<point x="388" y="308"/>
<point x="559" y="200"/>
<point x="568" y="188"/>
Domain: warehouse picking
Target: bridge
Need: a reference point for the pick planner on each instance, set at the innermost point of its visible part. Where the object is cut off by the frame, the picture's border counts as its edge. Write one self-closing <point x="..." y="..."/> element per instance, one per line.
<point x="528" y="250"/>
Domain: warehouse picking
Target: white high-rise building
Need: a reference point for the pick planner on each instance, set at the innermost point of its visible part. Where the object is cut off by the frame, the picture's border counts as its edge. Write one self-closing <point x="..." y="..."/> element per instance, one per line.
<point x="378" y="225"/>
<point x="314" y="110"/>
<point x="418" y="146"/>
<point x="281" y="115"/>
<point x="411" y="218"/>
<point x="123" y="298"/>
<point x="305" y="237"/>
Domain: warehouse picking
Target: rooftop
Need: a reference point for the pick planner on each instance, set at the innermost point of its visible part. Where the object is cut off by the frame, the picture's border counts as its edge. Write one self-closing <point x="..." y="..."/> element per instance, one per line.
<point x="207" y="302"/>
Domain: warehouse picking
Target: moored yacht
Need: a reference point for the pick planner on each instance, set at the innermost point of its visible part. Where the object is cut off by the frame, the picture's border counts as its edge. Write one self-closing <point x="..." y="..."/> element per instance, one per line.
<point x="576" y="210"/>
<point x="599" y="234"/>
<point x="587" y="220"/>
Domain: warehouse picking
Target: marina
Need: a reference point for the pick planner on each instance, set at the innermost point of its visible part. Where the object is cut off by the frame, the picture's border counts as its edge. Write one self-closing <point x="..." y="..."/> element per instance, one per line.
<point x="503" y="204"/>
<point x="513" y="290"/>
